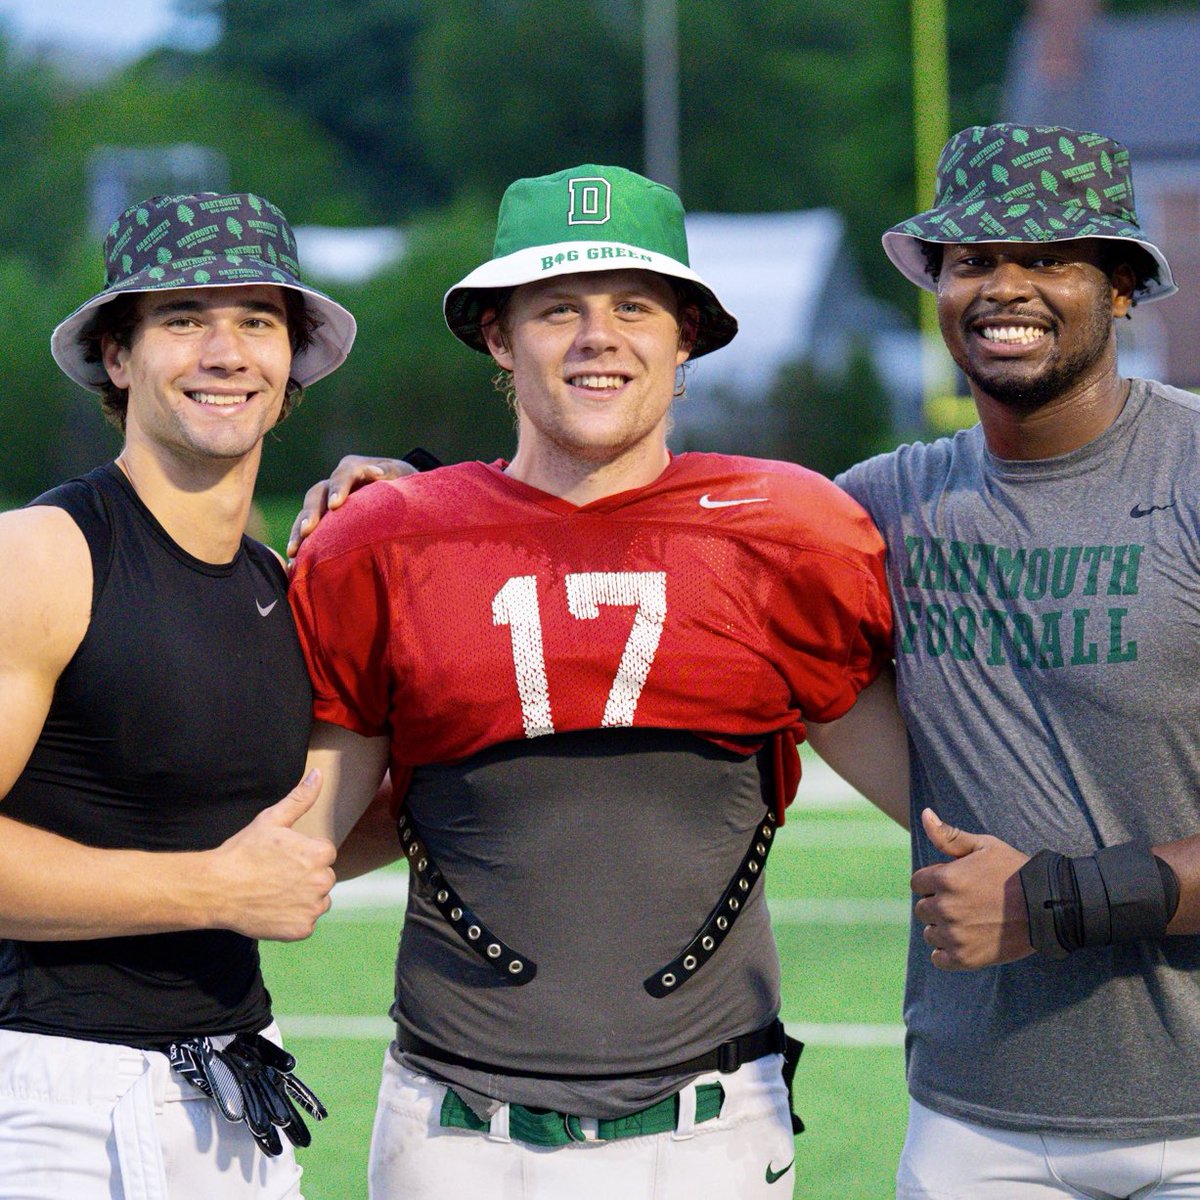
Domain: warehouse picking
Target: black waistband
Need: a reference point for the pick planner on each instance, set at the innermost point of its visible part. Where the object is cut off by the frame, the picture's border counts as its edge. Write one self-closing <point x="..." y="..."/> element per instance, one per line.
<point x="726" y="1058"/>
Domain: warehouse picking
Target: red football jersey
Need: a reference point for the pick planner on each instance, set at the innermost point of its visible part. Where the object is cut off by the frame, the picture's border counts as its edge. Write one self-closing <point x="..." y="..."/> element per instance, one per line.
<point x="732" y="597"/>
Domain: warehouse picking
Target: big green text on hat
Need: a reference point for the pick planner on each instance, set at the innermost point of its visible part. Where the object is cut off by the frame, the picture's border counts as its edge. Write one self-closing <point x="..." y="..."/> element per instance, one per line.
<point x="204" y="240"/>
<point x="1028" y="183"/>
<point x="587" y="218"/>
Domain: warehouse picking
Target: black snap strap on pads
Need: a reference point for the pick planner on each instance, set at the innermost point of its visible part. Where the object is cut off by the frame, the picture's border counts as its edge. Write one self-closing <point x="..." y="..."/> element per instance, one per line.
<point x="421" y="458"/>
<point x="516" y="968"/>
<point x="720" y="921"/>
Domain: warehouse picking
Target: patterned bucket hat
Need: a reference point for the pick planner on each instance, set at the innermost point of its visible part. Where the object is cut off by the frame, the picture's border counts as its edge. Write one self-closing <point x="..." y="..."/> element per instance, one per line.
<point x="204" y="240"/>
<point x="1027" y="183"/>
<point x="588" y="218"/>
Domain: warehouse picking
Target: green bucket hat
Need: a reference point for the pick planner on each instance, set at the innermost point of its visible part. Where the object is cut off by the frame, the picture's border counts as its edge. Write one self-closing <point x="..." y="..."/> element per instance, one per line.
<point x="204" y="240"/>
<point x="1027" y="183"/>
<point x="587" y="218"/>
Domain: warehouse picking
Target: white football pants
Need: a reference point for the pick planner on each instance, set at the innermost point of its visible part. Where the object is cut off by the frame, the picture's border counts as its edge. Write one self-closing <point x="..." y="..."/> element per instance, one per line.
<point x="945" y="1158"/>
<point x="88" y="1121"/>
<point x="748" y="1151"/>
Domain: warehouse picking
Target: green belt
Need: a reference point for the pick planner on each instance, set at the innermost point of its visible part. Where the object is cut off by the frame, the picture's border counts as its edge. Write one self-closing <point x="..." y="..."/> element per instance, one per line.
<point x="544" y="1127"/>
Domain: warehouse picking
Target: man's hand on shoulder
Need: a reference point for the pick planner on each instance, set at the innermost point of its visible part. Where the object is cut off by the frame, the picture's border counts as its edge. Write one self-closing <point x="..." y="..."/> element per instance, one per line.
<point x="972" y="907"/>
<point x="354" y="471"/>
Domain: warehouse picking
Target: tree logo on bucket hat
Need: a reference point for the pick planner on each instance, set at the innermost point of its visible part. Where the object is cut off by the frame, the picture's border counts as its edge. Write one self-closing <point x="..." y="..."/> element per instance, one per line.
<point x="1029" y="183"/>
<point x="591" y="200"/>
<point x="204" y="240"/>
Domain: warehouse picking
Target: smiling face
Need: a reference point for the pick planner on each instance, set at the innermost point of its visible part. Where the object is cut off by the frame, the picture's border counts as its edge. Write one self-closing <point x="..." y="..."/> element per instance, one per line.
<point x="593" y="358"/>
<point x="1027" y="323"/>
<point x="206" y="370"/>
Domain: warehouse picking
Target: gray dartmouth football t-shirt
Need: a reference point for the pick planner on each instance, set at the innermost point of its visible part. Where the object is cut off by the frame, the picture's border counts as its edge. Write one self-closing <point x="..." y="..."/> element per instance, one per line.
<point x="1048" y="652"/>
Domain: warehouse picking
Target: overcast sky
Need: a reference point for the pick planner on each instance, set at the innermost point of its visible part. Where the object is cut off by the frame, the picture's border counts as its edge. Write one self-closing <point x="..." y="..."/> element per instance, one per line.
<point x="122" y="28"/>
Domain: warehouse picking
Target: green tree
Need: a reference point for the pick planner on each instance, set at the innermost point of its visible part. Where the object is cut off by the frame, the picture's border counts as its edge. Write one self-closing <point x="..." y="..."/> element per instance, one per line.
<point x="507" y="88"/>
<point x="346" y="67"/>
<point x="829" y="421"/>
<point x="811" y="110"/>
<point x="25" y="114"/>
<point x="826" y="420"/>
<point x="52" y="429"/>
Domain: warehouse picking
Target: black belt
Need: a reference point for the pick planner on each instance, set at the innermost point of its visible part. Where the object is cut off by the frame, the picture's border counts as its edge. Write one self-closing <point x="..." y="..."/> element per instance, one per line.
<point x="726" y="1058"/>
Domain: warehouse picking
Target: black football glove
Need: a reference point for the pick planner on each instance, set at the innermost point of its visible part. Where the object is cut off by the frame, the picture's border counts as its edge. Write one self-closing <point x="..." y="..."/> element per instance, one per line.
<point x="250" y="1080"/>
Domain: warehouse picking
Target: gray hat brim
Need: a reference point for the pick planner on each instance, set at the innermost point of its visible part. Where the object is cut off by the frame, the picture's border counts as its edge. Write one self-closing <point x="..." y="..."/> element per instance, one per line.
<point x="904" y="250"/>
<point x="465" y="302"/>
<point x="330" y="346"/>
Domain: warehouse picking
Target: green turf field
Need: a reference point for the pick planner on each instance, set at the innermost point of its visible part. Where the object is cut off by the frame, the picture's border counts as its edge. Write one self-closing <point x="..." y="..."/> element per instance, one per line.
<point x="837" y="884"/>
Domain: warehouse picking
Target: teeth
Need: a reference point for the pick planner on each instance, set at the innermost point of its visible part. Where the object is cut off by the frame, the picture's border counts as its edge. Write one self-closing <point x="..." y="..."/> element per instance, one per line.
<point x="597" y="381"/>
<point x="216" y="398"/>
<point x="1020" y="335"/>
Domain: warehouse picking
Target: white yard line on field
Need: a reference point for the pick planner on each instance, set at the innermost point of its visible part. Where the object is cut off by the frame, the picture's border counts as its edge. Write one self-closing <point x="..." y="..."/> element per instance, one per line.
<point x="345" y="1028"/>
<point x="364" y="898"/>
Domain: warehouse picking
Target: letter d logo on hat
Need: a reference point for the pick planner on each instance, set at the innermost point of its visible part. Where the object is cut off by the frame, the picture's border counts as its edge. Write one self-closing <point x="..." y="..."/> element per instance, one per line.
<point x="590" y="200"/>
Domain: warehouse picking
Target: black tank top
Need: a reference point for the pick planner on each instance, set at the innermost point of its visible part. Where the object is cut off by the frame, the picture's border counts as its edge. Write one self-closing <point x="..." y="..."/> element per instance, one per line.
<point x="184" y="712"/>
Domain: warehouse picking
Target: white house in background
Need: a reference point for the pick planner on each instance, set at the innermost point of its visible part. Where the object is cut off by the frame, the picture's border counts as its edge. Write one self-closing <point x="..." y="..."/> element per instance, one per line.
<point x="770" y="270"/>
<point x="332" y="255"/>
<point x="789" y="279"/>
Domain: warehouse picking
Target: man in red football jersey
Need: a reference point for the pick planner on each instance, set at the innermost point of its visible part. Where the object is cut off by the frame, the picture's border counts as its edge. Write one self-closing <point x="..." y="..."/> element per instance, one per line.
<point x="587" y="669"/>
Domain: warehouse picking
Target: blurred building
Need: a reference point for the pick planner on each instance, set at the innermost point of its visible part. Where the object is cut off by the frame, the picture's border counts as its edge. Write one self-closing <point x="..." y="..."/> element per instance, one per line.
<point x="1134" y="78"/>
<point x="119" y="176"/>
<point x="337" y="255"/>
<point x="790" y="280"/>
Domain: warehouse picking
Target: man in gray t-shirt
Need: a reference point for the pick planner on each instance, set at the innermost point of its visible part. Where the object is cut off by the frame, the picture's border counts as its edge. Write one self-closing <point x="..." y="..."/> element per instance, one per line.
<point x="1043" y="572"/>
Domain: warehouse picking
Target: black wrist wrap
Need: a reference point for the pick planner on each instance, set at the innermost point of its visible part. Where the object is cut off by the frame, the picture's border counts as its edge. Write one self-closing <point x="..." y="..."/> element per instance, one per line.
<point x="1118" y="895"/>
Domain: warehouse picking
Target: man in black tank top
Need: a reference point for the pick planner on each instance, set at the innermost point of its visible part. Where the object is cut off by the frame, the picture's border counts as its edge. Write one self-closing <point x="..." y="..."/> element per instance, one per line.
<point x="156" y="706"/>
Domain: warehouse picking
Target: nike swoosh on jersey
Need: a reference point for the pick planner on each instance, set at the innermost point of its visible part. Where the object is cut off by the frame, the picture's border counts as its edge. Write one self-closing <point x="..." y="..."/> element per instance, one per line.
<point x="1138" y="511"/>
<point x="706" y="501"/>
<point x="265" y="612"/>
<point x="776" y="1176"/>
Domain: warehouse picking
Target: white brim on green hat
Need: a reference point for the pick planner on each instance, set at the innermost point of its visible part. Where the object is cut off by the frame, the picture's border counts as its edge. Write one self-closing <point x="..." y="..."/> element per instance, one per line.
<point x="588" y="218"/>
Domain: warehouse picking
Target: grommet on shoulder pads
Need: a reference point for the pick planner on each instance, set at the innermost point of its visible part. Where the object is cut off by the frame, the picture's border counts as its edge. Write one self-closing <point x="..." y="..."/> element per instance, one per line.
<point x="494" y="951"/>
<point x="720" y="920"/>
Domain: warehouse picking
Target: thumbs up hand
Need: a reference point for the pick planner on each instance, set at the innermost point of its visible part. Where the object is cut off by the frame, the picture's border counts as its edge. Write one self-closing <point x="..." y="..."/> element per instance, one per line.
<point x="272" y="881"/>
<point x="972" y="907"/>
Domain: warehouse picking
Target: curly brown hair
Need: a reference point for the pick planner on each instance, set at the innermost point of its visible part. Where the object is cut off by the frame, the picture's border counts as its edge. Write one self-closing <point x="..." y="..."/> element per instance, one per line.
<point x="119" y="318"/>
